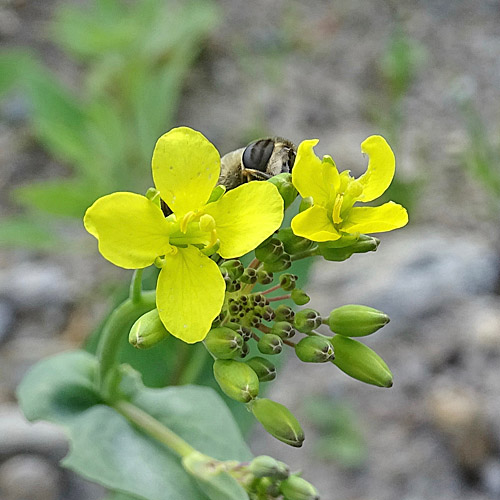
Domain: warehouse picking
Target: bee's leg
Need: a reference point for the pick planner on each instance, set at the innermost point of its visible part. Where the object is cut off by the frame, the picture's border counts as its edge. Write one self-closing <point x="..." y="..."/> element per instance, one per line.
<point x="255" y="175"/>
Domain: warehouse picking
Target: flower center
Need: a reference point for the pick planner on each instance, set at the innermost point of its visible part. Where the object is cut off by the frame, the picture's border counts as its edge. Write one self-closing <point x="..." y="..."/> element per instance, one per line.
<point x="337" y="206"/>
<point x="194" y="229"/>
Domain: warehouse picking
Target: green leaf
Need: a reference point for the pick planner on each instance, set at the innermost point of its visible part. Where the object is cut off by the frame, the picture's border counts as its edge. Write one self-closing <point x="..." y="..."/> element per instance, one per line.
<point x="27" y="233"/>
<point x="57" y="197"/>
<point x="107" y="449"/>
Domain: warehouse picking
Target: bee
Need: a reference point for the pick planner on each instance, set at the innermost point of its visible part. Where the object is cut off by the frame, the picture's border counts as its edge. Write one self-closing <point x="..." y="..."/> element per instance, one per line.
<point x="260" y="160"/>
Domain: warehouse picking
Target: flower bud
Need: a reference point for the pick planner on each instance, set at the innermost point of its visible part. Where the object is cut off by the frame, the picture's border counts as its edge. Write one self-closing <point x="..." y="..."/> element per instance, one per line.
<point x="270" y="344"/>
<point x="265" y="466"/>
<point x="284" y="313"/>
<point x="263" y="277"/>
<point x="278" y="421"/>
<point x="300" y="297"/>
<point x="283" y="329"/>
<point x="294" y="244"/>
<point x="236" y="379"/>
<point x="360" y="362"/>
<point x="266" y="312"/>
<point x="147" y="331"/>
<point x="281" y="264"/>
<point x="306" y="203"/>
<point x="233" y="267"/>
<point x="249" y="276"/>
<point x="314" y="350"/>
<point x="307" y="320"/>
<point x="356" y="321"/>
<point x="296" y="488"/>
<point x="287" y="281"/>
<point x="285" y="187"/>
<point x="335" y="251"/>
<point x="269" y="251"/>
<point x="224" y="343"/>
<point x="264" y="369"/>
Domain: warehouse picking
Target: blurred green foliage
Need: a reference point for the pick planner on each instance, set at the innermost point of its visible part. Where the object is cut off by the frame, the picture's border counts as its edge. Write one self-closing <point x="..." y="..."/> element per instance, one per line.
<point x="340" y="434"/>
<point x="397" y="69"/>
<point x="481" y="157"/>
<point x="134" y="58"/>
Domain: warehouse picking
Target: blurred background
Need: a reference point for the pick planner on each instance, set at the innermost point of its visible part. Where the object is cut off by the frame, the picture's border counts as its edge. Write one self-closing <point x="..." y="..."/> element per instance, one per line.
<point x="86" y="88"/>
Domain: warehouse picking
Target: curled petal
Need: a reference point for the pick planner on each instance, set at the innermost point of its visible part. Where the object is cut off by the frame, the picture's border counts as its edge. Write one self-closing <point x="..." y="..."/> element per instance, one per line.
<point x="315" y="225"/>
<point x="245" y="217"/>
<point x="381" y="167"/>
<point x="313" y="177"/>
<point x="387" y="217"/>
<point x="186" y="167"/>
<point x="132" y="231"/>
<point x="189" y="294"/>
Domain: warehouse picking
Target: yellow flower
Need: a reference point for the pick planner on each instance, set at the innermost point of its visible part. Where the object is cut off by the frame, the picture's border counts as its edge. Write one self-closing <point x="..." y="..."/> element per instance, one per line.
<point x="133" y="232"/>
<point x="334" y="194"/>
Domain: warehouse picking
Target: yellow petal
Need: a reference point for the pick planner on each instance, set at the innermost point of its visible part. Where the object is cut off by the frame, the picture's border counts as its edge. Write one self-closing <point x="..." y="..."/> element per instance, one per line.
<point x="186" y="168"/>
<point x="313" y="177"/>
<point x="387" y="217"/>
<point x="189" y="294"/>
<point x="132" y="231"/>
<point x="381" y="167"/>
<point x="315" y="225"/>
<point x="245" y="217"/>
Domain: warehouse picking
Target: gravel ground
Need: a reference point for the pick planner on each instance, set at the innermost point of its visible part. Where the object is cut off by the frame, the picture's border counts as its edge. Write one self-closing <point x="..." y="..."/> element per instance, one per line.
<point x="304" y="70"/>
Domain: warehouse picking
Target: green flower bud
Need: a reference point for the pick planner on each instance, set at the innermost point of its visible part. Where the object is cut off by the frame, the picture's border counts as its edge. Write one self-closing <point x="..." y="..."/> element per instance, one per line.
<point x="307" y="320"/>
<point x="147" y="331"/>
<point x="234" y="307"/>
<point x="265" y="487"/>
<point x="269" y="251"/>
<point x="245" y="332"/>
<point x="264" y="369"/>
<point x="249" y="276"/>
<point x="285" y="188"/>
<point x="300" y="297"/>
<point x="284" y="313"/>
<point x="278" y="421"/>
<point x="258" y="300"/>
<point x="306" y="203"/>
<point x="265" y="466"/>
<point x="263" y="277"/>
<point x="314" y="350"/>
<point x="356" y="321"/>
<point x="360" y="362"/>
<point x="281" y="264"/>
<point x="233" y="267"/>
<point x="270" y="344"/>
<point x="336" y="251"/>
<point x="224" y="343"/>
<point x="294" y="244"/>
<point x="152" y="194"/>
<point x="287" y="281"/>
<point x="266" y="312"/>
<point x="236" y="379"/>
<point x="296" y="488"/>
<point x="283" y="329"/>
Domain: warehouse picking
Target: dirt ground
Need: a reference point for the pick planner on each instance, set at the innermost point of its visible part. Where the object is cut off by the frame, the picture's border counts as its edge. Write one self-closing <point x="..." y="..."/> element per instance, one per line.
<point x="311" y="70"/>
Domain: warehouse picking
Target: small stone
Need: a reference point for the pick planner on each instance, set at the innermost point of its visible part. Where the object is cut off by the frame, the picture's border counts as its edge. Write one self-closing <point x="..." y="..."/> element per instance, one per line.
<point x="29" y="477"/>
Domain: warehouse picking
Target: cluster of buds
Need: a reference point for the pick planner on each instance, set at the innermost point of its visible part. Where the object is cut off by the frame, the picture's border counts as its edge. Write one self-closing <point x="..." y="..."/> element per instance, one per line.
<point x="255" y="325"/>
<point x="263" y="478"/>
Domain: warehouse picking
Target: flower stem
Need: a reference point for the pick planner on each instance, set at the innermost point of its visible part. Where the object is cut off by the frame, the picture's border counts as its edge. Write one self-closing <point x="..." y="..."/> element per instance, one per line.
<point x="270" y="290"/>
<point x="306" y="253"/>
<point x="122" y="318"/>
<point x="153" y="427"/>
<point x="279" y="297"/>
<point x="136" y="286"/>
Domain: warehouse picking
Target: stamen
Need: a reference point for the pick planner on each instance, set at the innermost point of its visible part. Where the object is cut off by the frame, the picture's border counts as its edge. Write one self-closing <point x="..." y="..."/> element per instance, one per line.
<point x="207" y="223"/>
<point x="337" y="207"/>
<point x="186" y="220"/>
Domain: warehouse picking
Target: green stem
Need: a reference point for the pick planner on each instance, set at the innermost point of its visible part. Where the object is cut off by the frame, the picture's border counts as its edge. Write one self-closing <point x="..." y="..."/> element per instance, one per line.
<point x="122" y="318"/>
<point x="196" y="364"/>
<point x="306" y="253"/>
<point x="136" y="286"/>
<point x="153" y="428"/>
